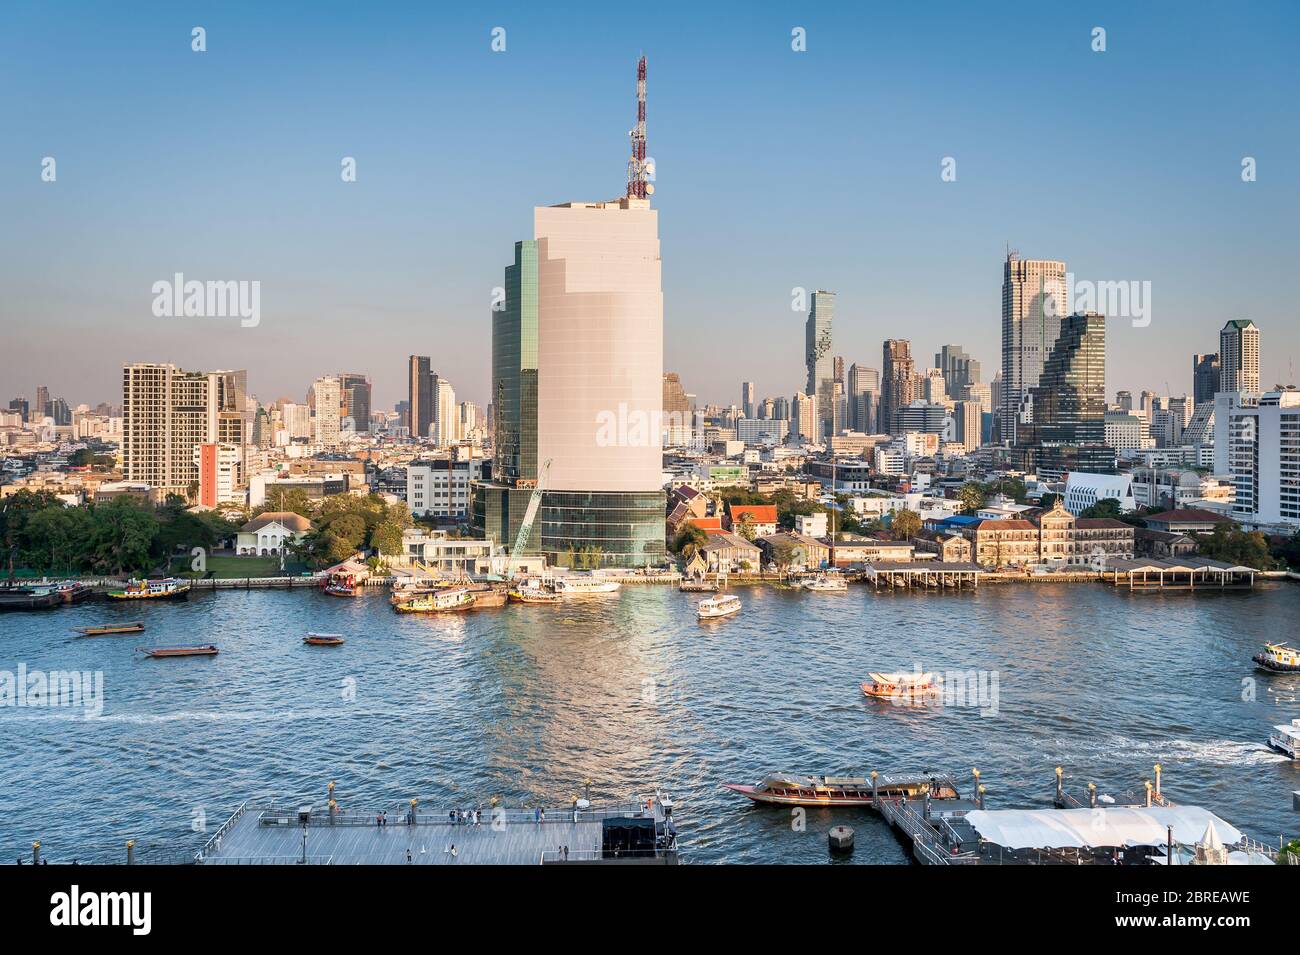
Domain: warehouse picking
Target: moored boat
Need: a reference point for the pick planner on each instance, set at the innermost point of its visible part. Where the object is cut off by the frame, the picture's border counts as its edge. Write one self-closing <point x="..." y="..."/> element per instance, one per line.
<point x="323" y="639"/>
<point x="136" y="626"/>
<point x="527" y="594"/>
<point x="1279" y="658"/>
<point x="789" y="789"/>
<point x="202" y="650"/>
<point x="713" y="608"/>
<point x="1286" y="739"/>
<point x="343" y="585"/>
<point x="443" y="601"/>
<point x="487" y="597"/>
<point x="584" y="586"/>
<point x="827" y="584"/>
<point x="166" y="589"/>
<point x="902" y="685"/>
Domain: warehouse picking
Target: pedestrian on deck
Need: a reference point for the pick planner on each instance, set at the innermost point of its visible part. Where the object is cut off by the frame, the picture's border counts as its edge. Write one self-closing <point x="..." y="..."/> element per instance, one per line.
<point x="537" y="816"/>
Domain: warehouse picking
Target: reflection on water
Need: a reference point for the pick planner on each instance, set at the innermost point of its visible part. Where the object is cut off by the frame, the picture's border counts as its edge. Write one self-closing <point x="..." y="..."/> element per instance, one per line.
<point x="631" y="692"/>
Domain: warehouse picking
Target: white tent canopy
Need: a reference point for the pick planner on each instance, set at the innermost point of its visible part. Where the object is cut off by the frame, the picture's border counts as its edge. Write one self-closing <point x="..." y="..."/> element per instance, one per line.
<point x="1096" y="828"/>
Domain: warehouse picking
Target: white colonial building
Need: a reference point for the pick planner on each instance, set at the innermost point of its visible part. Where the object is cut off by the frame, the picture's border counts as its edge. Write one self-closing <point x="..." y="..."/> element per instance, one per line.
<point x="269" y="533"/>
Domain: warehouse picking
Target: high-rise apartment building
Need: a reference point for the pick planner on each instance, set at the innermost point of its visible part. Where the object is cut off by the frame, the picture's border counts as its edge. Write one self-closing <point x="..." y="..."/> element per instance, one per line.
<point x="748" y="398"/>
<point x="578" y="381"/>
<point x="1034" y="298"/>
<point x="1239" y="356"/>
<point x="446" y="416"/>
<point x="356" y="400"/>
<point x="1257" y="444"/>
<point x="804" y="420"/>
<point x="1124" y="401"/>
<point x="863" y="388"/>
<point x="818" y="358"/>
<point x="898" y="386"/>
<point x="1205" y="377"/>
<point x="327" y="417"/>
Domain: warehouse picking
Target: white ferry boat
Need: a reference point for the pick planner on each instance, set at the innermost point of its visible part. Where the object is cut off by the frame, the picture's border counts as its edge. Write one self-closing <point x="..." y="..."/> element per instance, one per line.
<point x="827" y="584"/>
<point x="582" y="586"/>
<point x="723" y="605"/>
<point x="1279" y="658"/>
<point x="1286" y="739"/>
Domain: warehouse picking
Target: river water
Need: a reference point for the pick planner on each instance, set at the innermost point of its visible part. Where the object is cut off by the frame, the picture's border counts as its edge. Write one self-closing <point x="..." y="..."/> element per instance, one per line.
<point x="632" y="693"/>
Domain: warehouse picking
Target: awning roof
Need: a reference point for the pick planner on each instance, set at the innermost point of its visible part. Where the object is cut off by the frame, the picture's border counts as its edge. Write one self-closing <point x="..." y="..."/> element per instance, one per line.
<point x="1096" y="828"/>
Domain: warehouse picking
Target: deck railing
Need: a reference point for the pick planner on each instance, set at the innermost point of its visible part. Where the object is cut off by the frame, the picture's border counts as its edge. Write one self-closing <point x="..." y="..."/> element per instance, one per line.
<point x="215" y="841"/>
<point x="319" y="818"/>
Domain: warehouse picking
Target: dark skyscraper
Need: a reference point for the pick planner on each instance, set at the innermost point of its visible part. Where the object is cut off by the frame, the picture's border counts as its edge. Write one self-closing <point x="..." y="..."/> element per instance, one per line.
<point x="818" y="359"/>
<point x="356" y="399"/>
<point x="420" y="395"/>
<point x="1205" y="377"/>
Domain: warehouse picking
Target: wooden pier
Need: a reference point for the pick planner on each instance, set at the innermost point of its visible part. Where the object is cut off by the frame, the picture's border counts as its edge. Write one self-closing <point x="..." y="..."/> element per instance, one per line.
<point x="928" y="575"/>
<point x="1191" y="573"/>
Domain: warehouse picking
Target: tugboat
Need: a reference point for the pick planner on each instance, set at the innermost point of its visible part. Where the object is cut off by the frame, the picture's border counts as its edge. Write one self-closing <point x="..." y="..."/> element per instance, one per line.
<point x="713" y="608"/>
<point x="167" y="589"/>
<point x="1279" y="658"/>
<point x="1286" y="739"/>
<point x="902" y="686"/>
<point x="444" y="601"/>
<point x="532" y="591"/>
<point x="788" y="789"/>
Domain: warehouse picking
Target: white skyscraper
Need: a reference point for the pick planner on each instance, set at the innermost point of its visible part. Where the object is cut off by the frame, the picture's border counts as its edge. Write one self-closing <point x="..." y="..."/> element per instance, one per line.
<point x="1034" y="300"/>
<point x="328" y="396"/>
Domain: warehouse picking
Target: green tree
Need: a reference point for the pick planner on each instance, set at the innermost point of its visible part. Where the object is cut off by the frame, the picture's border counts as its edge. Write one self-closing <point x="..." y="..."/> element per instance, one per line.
<point x="972" y="497"/>
<point x="1106" y="507"/>
<point x="781" y="553"/>
<point x="387" y="538"/>
<point x="16" y="511"/>
<point x="689" y="541"/>
<point x="122" y="535"/>
<point x="905" y="524"/>
<point x="746" y="528"/>
<point x="1048" y="501"/>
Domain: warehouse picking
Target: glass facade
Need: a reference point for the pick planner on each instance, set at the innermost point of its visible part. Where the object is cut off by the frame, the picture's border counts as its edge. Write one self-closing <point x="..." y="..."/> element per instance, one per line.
<point x="514" y="370"/>
<point x="622" y="528"/>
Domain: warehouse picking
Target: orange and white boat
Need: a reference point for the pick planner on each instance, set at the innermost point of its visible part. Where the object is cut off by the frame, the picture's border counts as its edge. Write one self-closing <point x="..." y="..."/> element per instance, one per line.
<point x="902" y="685"/>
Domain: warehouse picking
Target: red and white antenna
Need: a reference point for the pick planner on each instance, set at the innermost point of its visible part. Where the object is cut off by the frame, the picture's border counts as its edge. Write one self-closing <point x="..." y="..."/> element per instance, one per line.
<point x="638" y="170"/>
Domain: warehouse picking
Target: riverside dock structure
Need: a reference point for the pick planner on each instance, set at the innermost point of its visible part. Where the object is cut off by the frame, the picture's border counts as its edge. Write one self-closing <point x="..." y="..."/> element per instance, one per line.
<point x="953" y="831"/>
<point x="639" y="833"/>
<point x="922" y="575"/>
<point x="1187" y="573"/>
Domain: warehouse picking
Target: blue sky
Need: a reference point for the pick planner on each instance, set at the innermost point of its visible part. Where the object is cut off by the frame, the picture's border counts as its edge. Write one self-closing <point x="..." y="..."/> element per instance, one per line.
<point x="776" y="169"/>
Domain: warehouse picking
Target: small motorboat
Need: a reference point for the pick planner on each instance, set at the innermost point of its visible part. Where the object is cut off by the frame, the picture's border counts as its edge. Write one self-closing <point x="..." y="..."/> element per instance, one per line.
<point x="582" y="586"/>
<point x="713" y="608"/>
<point x="168" y="589"/>
<point x="827" y="584"/>
<point x="789" y="789"/>
<point x="203" y="650"/>
<point x="1278" y="658"/>
<point x="532" y="592"/>
<point x="1286" y="739"/>
<point x="344" y="585"/>
<point x="323" y="639"/>
<point x="110" y="629"/>
<point x="895" y="686"/>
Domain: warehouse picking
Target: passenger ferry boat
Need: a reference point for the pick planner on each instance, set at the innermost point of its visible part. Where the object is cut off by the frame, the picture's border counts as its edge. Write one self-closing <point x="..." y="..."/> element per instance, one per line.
<point x="1279" y="658"/>
<point x="167" y="589"/>
<point x="902" y="685"/>
<point x="712" y="608"/>
<point x="827" y="584"/>
<point x="443" y="601"/>
<point x="323" y="639"/>
<point x="1286" y="739"/>
<point x="787" y="789"/>
<point x="583" y="586"/>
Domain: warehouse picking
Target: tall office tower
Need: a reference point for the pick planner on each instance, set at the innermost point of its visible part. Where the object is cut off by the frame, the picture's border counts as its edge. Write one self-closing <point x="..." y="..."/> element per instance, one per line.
<point x="678" y="420"/>
<point x="982" y="395"/>
<point x="21" y="406"/>
<point x="419" y="384"/>
<point x="1239" y="356"/>
<point x="1147" y="404"/>
<point x="969" y="418"/>
<point x="935" y="387"/>
<point x="60" y="412"/>
<point x="356" y="399"/>
<point x="1034" y="298"/>
<point x="747" y="398"/>
<point x="1205" y="377"/>
<point x="446" y="417"/>
<point x="818" y="358"/>
<point x="42" y="402"/>
<point x="863" y="386"/>
<point x="1124" y="401"/>
<point x="959" y="369"/>
<point x="328" y="420"/>
<point x="805" y="423"/>
<point x="578" y="378"/>
<point x="166" y="414"/>
<point x="898" y="381"/>
<point x="920" y="416"/>
<point x="837" y="369"/>
<point x="781" y="408"/>
<point x="1067" y="431"/>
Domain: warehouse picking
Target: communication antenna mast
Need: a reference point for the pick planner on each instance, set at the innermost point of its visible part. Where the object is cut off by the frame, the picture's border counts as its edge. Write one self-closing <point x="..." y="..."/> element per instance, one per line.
<point x="638" y="170"/>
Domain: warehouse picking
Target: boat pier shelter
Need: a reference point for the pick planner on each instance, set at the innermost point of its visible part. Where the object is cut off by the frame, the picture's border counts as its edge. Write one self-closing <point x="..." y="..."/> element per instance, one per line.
<point x="923" y="575"/>
<point x="1192" y="573"/>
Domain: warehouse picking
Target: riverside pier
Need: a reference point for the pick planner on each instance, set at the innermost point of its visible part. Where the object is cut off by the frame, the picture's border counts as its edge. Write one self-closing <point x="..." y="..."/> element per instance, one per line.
<point x="635" y="833"/>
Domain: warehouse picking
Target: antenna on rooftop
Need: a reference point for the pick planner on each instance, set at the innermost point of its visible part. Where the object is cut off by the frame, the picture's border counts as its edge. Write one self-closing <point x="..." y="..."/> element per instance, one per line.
<point x="638" y="170"/>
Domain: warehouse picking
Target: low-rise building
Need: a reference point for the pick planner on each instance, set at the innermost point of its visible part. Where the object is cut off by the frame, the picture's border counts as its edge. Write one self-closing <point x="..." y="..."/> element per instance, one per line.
<point x="731" y="553"/>
<point x="805" y="553"/>
<point x="1186" y="521"/>
<point x="269" y="534"/>
<point x="761" y="518"/>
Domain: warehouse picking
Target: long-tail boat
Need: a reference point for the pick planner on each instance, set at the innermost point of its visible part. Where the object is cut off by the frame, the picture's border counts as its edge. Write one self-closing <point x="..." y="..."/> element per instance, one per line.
<point x="110" y="629"/>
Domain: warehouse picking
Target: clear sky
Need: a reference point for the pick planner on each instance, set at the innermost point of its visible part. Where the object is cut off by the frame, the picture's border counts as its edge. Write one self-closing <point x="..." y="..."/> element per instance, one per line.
<point x="776" y="169"/>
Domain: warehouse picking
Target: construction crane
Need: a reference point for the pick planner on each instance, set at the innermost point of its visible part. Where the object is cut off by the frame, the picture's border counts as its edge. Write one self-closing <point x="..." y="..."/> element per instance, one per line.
<point x="530" y="515"/>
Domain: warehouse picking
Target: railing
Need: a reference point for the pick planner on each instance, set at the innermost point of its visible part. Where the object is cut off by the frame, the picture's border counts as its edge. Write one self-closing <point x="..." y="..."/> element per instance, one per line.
<point x="215" y="841"/>
<point x="273" y="860"/>
<point x="487" y="817"/>
<point x="598" y="855"/>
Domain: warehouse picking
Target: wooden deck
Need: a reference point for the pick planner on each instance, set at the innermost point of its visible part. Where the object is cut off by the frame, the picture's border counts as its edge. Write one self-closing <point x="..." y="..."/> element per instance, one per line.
<point x="273" y="835"/>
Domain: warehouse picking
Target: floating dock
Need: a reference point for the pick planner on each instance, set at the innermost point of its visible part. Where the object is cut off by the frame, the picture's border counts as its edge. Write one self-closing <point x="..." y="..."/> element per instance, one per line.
<point x="640" y="833"/>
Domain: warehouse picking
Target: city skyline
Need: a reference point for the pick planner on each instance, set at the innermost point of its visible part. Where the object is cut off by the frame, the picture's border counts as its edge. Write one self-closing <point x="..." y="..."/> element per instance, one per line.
<point x="341" y="294"/>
